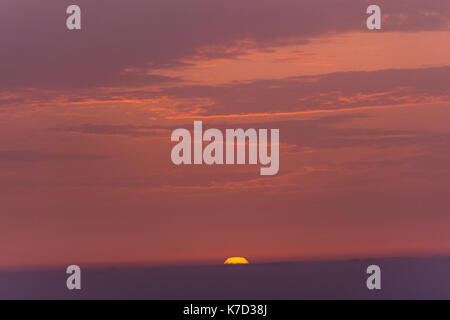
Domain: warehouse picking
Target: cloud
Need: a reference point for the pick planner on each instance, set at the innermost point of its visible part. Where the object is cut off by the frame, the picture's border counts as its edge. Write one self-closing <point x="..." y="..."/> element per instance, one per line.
<point x="125" y="130"/>
<point x="331" y="92"/>
<point x="13" y="156"/>
<point x="41" y="53"/>
<point x="321" y="92"/>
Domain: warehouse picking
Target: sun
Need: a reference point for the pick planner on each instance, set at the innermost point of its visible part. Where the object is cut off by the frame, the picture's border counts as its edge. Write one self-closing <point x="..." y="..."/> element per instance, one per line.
<point x="236" y="260"/>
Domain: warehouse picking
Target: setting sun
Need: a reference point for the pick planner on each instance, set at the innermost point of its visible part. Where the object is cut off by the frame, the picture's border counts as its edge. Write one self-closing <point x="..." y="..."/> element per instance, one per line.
<point x="236" y="260"/>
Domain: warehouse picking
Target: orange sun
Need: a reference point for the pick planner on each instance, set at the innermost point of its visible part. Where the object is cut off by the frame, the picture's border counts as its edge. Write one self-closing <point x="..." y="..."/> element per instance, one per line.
<point x="236" y="260"/>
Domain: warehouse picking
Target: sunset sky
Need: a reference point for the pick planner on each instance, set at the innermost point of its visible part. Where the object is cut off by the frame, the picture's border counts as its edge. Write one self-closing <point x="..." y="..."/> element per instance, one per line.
<point x="86" y="118"/>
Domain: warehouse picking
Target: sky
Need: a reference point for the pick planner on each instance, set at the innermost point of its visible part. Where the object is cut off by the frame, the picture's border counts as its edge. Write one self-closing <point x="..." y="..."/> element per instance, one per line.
<point x="86" y="118"/>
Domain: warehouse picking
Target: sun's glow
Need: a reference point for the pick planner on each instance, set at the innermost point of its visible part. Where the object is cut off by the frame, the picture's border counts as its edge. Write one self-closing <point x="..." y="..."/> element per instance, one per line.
<point x="236" y="260"/>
